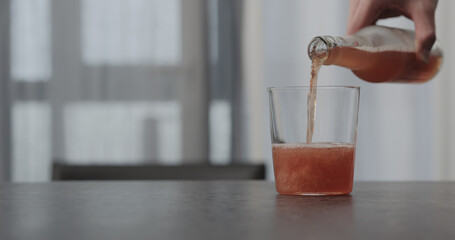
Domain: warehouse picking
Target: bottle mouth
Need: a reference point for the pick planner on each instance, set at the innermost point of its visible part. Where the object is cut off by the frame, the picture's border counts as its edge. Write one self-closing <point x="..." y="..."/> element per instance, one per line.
<point x="319" y="47"/>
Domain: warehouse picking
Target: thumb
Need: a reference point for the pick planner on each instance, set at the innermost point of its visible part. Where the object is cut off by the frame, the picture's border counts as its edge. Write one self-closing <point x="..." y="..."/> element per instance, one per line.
<point x="362" y="14"/>
<point x="423" y="18"/>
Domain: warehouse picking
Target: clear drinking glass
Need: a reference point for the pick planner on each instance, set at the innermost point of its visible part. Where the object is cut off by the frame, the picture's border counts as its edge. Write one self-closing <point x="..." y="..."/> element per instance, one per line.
<point x="324" y="166"/>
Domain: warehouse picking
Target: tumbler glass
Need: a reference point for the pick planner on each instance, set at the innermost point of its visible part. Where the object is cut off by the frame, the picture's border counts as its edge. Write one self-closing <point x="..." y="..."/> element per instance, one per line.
<point x="321" y="163"/>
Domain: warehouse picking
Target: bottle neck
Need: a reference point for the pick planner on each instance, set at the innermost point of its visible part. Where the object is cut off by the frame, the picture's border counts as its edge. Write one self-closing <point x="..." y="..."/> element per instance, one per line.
<point x="324" y="48"/>
<point x="330" y="50"/>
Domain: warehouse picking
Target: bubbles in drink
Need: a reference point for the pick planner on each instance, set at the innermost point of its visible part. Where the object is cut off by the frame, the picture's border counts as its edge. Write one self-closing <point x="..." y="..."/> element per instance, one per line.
<point x="319" y="168"/>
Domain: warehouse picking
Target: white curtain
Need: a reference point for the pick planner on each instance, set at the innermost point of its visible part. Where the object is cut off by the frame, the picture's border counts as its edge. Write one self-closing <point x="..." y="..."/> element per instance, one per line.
<point x="107" y="82"/>
<point x="405" y="132"/>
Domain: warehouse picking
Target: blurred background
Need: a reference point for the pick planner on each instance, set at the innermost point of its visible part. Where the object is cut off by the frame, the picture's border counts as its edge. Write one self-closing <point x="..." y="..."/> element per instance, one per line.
<point x="177" y="82"/>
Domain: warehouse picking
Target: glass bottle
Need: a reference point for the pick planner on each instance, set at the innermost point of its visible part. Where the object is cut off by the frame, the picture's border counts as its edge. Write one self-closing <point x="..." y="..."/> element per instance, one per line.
<point x="378" y="54"/>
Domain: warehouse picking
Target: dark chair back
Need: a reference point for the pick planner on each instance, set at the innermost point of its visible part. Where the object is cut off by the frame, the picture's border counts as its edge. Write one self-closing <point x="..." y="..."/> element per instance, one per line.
<point x="158" y="172"/>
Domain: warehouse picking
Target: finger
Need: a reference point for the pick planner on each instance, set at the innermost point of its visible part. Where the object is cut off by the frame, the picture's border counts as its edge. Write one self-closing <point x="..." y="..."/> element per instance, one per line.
<point x="423" y="17"/>
<point x="393" y="12"/>
<point x="365" y="13"/>
<point x="389" y="14"/>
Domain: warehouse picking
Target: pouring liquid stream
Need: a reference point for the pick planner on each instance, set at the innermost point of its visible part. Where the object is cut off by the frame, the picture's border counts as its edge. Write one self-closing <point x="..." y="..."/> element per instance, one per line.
<point x="316" y="64"/>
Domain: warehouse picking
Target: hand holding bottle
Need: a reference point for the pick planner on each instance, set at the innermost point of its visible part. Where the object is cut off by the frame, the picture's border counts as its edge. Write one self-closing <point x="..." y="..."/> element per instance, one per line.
<point x="366" y="12"/>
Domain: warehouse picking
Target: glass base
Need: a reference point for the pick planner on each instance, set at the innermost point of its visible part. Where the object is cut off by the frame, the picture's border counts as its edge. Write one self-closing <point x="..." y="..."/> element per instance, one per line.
<point x="316" y="193"/>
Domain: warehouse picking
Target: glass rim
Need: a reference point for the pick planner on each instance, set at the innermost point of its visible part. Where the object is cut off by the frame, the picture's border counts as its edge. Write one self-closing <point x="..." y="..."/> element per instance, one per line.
<point x="308" y="87"/>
